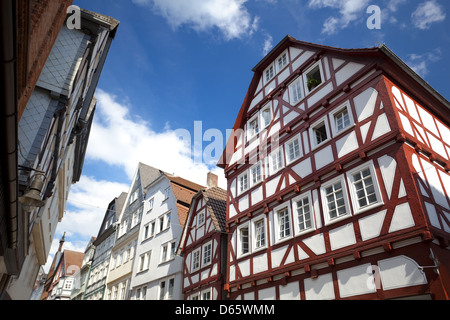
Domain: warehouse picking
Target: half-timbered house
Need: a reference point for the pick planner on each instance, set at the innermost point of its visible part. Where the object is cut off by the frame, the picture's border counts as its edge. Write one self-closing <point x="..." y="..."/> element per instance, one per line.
<point x="338" y="179"/>
<point x="203" y="245"/>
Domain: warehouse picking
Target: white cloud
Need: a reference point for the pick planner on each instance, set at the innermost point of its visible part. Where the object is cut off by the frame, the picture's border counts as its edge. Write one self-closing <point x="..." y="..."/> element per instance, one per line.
<point x="229" y="16"/>
<point x="268" y="44"/>
<point x="88" y="201"/>
<point x="420" y="62"/>
<point x="427" y="13"/>
<point x="120" y="140"/>
<point x="350" y="10"/>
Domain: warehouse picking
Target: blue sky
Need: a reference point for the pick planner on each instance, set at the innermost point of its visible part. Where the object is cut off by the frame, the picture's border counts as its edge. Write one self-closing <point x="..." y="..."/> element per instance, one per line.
<point x="175" y="62"/>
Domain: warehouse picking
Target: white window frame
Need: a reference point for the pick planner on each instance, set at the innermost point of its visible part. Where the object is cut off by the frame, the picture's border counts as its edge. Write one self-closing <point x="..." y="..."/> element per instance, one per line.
<point x="151" y="202"/>
<point x="311" y="212"/>
<point x="201" y="218"/>
<point x="206" y="291"/>
<point x="169" y="249"/>
<point x="144" y="261"/>
<point x="356" y="207"/>
<point x="334" y="128"/>
<point x="204" y="251"/>
<point x="133" y="196"/>
<point x="305" y="77"/>
<point x="253" y="133"/>
<point x="239" y="240"/>
<point x="312" y="133"/>
<point x="262" y="124"/>
<point x="287" y="149"/>
<point x="152" y="226"/>
<point x="277" y="61"/>
<point x="250" y="175"/>
<point x="292" y="94"/>
<point x="279" y="151"/>
<point x="166" y="193"/>
<point x="253" y="233"/>
<point x="194" y="266"/>
<point x="328" y="220"/>
<point x="272" y="75"/>
<point x="276" y="230"/>
<point x="164" y="295"/>
<point x="239" y="183"/>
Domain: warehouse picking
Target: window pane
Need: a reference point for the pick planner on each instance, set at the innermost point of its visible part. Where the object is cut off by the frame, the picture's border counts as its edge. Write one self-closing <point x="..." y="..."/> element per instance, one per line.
<point x="244" y="241"/>
<point x="260" y="237"/>
<point x="303" y="214"/>
<point x="364" y="188"/>
<point x="283" y="223"/>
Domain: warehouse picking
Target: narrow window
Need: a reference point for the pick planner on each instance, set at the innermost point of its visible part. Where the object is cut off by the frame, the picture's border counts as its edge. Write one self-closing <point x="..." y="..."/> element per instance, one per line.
<point x="255" y="173"/>
<point x="303" y="214"/>
<point x="170" y="289"/>
<point x="207" y="252"/>
<point x="162" y="290"/>
<point x="244" y="240"/>
<point x="196" y="259"/>
<point x="243" y="182"/>
<point x="320" y="133"/>
<point x="282" y="61"/>
<point x="335" y="200"/>
<point x="253" y="128"/>
<point x="284" y="229"/>
<point x="266" y="117"/>
<point x="201" y="218"/>
<point x="295" y="89"/>
<point x="293" y="150"/>
<point x="269" y="73"/>
<point x="276" y="160"/>
<point x="260" y="234"/>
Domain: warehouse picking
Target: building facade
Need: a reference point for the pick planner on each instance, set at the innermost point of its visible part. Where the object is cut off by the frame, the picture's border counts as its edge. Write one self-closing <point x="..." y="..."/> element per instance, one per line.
<point x="123" y="253"/>
<point x="338" y="179"/>
<point x="81" y="276"/>
<point x="157" y="272"/>
<point x="203" y="245"/>
<point x="29" y="30"/>
<point x="53" y="132"/>
<point x="96" y="282"/>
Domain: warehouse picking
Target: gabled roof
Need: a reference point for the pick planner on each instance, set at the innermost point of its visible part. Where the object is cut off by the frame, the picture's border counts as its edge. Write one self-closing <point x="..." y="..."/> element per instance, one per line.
<point x="72" y="259"/>
<point x="391" y="64"/>
<point x="216" y="203"/>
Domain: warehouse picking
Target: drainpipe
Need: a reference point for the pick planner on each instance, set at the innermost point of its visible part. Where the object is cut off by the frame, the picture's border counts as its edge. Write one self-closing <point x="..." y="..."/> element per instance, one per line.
<point x="8" y="115"/>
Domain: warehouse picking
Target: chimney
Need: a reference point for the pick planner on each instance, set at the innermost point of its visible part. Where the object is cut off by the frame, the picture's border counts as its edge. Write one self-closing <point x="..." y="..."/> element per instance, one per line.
<point x="212" y="180"/>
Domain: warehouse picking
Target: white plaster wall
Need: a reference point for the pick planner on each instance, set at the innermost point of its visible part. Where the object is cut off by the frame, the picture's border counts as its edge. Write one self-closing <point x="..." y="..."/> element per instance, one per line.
<point x="158" y="270"/>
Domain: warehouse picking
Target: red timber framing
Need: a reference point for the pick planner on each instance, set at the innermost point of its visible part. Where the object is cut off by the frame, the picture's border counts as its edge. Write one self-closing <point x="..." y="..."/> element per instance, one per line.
<point x="203" y="246"/>
<point x="341" y="191"/>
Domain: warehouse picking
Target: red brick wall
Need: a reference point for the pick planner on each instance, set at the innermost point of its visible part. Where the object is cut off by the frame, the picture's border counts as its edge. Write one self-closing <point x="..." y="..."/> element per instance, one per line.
<point x="39" y="22"/>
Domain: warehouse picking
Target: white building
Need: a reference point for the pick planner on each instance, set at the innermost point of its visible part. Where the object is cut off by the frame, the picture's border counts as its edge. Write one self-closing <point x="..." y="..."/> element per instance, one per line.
<point x="53" y="133"/>
<point x="157" y="273"/>
<point x="127" y="231"/>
